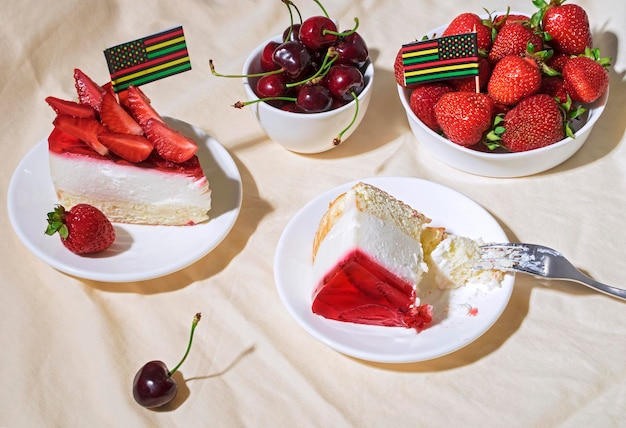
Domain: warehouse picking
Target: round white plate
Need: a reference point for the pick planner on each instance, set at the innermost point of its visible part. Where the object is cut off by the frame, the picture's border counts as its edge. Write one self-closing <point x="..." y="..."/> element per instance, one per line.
<point x="139" y="252"/>
<point x="460" y="316"/>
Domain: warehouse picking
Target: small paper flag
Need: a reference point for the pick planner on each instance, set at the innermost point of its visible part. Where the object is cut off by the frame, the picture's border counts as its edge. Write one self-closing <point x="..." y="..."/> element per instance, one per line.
<point x="441" y="58"/>
<point x="148" y="59"/>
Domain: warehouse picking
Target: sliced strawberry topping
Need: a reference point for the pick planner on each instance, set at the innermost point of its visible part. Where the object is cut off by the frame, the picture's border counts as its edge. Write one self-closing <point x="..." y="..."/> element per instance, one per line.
<point x="168" y="142"/>
<point x="89" y="92"/>
<point x="84" y="129"/>
<point x="116" y="118"/>
<point x="139" y="106"/>
<point x="71" y="108"/>
<point x="133" y="148"/>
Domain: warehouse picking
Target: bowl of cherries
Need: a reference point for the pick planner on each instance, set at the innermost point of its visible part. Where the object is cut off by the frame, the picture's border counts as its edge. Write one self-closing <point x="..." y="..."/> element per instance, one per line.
<point x="310" y="86"/>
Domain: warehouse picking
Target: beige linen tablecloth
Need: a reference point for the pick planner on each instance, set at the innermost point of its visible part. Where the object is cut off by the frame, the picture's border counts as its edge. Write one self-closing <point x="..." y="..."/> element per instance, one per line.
<point x="69" y="348"/>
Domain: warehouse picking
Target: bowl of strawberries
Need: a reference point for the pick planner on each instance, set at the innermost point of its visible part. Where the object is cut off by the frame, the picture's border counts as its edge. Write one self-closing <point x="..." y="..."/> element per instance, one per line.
<point x="536" y="89"/>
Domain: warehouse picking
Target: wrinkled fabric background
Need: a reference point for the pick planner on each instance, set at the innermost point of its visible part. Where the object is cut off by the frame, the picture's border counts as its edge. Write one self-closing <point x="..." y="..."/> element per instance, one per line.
<point x="69" y="348"/>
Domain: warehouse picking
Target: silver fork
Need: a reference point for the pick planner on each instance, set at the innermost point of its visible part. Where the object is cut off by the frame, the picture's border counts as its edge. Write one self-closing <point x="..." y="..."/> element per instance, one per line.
<point x="539" y="261"/>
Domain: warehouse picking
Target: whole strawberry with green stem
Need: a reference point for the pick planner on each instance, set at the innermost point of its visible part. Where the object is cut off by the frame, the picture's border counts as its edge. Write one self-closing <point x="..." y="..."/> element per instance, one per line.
<point x="423" y="100"/>
<point x="536" y="121"/>
<point x="470" y="22"/>
<point x="565" y="26"/>
<point x="514" y="39"/>
<point x="464" y="117"/>
<point x="586" y="77"/>
<point x="83" y="229"/>
<point x="514" y="78"/>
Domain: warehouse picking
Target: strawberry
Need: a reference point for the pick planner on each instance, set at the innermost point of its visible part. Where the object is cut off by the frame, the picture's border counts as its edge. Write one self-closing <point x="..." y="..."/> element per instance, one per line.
<point x="464" y="116"/>
<point x="557" y="61"/>
<point x="71" y="108"/>
<point x="500" y="21"/>
<point x="467" y="23"/>
<point x="514" y="39"/>
<point x="555" y="87"/>
<point x="423" y="100"/>
<point x="468" y="84"/>
<point x="113" y="115"/>
<point x="85" y="129"/>
<point x="83" y="229"/>
<point x="122" y="97"/>
<point x="567" y="26"/>
<point x="133" y="148"/>
<point x="398" y="70"/>
<point x="170" y="144"/>
<point x="585" y="78"/>
<point x="537" y="121"/>
<point x="140" y="108"/>
<point x="514" y="78"/>
<point x="89" y="92"/>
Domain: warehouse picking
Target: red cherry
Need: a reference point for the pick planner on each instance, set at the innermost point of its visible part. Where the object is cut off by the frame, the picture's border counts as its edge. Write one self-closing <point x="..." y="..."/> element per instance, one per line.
<point x="352" y="50"/>
<point x="272" y="85"/>
<point x="153" y="385"/>
<point x="314" y="32"/>
<point x="344" y="80"/>
<point x="314" y="99"/>
<point x="267" y="62"/>
<point x="292" y="33"/>
<point x="293" y="57"/>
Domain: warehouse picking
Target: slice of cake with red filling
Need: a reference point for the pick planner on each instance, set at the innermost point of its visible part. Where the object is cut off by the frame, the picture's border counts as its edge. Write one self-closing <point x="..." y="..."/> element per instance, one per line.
<point x="368" y="261"/>
<point x="115" y="152"/>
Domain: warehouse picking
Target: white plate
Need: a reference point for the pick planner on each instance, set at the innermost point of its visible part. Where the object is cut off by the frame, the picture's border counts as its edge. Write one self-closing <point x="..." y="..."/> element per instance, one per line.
<point x="139" y="252"/>
<point x="460" y="316"/>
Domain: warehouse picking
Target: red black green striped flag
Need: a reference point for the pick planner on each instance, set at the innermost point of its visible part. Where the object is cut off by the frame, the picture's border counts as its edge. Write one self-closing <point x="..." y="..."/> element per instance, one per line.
<point x="441" y="58"/>
<point x="148" y="59"/>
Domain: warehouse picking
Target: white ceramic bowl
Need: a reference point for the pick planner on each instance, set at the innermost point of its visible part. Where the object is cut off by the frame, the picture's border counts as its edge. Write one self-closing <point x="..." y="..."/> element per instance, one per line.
<point x="501" y="164"/>
<point x="304" y="132"/>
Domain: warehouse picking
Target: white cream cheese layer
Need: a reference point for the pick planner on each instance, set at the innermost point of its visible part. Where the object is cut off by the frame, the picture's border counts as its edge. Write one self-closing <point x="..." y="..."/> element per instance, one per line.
<point x="381" y="240"/>
<point x="110" y="181"/>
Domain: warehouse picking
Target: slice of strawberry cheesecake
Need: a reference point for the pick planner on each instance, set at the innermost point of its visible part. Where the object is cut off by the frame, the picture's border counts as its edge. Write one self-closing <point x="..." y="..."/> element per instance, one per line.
<point x="368" y="261"/>
<point x="115" y="152"/>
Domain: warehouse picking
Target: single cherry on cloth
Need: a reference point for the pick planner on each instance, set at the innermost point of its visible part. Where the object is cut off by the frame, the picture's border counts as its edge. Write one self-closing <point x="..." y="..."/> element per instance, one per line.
<point x="153" y="385"/>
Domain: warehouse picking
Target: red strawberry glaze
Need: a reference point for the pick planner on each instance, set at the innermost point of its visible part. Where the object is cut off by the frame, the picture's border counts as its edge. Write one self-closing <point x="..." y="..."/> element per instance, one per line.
<point x="61" y="142"/>
<point x="361" y="291"/>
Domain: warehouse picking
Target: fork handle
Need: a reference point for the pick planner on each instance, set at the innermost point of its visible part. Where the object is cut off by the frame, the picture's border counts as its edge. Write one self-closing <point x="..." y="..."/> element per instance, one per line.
<point x="581" y="278"/>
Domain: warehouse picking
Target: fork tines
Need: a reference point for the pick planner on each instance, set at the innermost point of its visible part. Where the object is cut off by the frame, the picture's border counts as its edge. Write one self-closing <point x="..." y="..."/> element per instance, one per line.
<point x="510" y="257"/>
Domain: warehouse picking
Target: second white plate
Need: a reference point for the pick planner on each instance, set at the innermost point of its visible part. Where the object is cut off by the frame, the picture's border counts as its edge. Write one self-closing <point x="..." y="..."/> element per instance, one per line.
<point x="460" y="316"/>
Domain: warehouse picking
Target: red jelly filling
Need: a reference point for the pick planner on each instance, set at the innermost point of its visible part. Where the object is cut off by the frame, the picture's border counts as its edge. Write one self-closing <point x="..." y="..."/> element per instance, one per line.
<point x="62" y="142"/>
<point x="359" y="290"/>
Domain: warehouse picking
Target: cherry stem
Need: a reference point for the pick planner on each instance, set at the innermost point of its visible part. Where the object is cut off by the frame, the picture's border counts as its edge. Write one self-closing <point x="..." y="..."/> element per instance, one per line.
<point x="344" y="34"/>
<point x="322" y="7"/>
<point x="330" y="57"/>
<point x="239" y="76"/>
<point x="337" y="139"/>
<point x="288" y="3"/>
<point x="242" y="104"/>
<point x="194" y="323"/>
